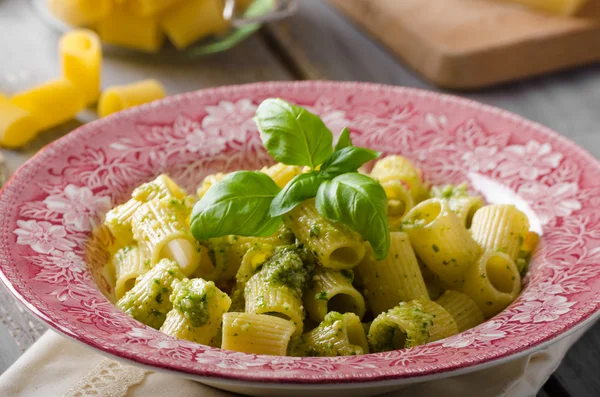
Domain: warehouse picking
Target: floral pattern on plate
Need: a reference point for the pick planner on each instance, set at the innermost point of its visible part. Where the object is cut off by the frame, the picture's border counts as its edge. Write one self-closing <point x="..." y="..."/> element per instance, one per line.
<point x="54" y="264"/>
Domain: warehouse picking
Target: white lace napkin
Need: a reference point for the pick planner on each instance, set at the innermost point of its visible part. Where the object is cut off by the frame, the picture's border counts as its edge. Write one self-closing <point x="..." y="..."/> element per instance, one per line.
<point x="55" y="366"/>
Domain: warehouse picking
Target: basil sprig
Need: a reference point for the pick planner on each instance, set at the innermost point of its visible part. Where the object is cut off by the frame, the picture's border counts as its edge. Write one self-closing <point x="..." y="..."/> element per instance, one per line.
<point x="238" y="204"/>
<point x="250" y="204"/>
<point x="359" y="202"/>
<point x="293" y="135"/>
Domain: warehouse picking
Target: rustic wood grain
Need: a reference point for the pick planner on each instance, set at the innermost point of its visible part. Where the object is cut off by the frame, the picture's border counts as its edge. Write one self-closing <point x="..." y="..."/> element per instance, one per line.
<point x="565" y="101"/>
<point x="466" y="44"/>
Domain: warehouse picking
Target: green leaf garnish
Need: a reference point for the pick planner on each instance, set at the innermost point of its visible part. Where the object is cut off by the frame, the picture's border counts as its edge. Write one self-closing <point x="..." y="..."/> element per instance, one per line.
<point x="239" y="204"/>
<point x="299" y="189"/>
<point x="359" y="202"/>
<point x="344" y="140"/>
<point x="247" y="203"/>
<point x="292" y="135"/>
<point x="348" y="159"/>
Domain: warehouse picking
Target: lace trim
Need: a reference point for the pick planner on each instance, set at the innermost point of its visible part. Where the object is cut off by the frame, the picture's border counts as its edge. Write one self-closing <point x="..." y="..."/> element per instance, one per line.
<point x="109" y="378"/>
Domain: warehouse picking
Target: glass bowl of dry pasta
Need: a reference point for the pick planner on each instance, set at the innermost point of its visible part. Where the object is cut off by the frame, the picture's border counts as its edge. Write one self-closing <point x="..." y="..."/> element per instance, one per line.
<point x="178" y="29"/>
<point x="303" y="237"/>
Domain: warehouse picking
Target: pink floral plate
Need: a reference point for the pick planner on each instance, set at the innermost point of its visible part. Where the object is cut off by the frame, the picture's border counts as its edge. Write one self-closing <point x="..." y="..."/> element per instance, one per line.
<point x="53" y="263"/>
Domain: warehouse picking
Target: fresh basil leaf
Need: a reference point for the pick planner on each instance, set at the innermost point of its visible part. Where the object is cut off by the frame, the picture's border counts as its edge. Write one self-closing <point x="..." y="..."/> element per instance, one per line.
<point x="292" y="135"/>
<point x="344" y="140"/>
<point x="302" y="187"/>
<point x="348" y="159"/>
<point x="360" y="203"/>
<point x="238" y="204"/>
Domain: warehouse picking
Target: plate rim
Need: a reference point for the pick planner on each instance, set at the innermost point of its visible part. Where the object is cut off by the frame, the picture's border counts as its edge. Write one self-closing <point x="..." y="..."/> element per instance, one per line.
<point x="272" y="378"/>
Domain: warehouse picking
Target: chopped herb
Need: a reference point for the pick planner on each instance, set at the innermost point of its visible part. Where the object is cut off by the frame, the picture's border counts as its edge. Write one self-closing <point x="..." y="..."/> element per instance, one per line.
<point x="322" y="296"/>
<point x="315" y="231"/>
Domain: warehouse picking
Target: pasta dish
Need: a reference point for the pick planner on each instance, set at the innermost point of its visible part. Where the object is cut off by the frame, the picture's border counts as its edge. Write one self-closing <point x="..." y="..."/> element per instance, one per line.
<point x="315" y="255"/>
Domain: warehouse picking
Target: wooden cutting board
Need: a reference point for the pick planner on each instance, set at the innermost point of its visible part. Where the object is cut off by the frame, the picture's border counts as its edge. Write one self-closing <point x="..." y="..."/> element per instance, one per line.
<point x="468" y="44"/>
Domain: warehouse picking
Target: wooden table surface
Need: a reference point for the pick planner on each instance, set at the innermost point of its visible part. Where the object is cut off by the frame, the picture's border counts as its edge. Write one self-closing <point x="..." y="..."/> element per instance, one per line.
<point x="317" y="43"/>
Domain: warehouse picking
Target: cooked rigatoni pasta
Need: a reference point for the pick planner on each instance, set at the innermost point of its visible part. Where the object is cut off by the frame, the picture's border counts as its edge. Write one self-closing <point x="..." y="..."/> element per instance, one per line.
<point x="208" y="182"/>
<point x="395" y="279"/>
<point x="51" y="103"/>
<point x="410" y="324"/>
<point x="256" y="333"/>
<point x="282" y="174"/>
<point x="277" y="288"/>
<point x="253" y="258"/>
<point x="421" y="264"/>
<point x="441" y="240"/>
<point x="80" y="12"/>
<point x="462" y="308"/>
<point x="500" y="227"/>
<point x="17" y="125"/>
<point x="129" y="263"/>
<point x="127" y="29"/>
<point x="333" y="244"/>
<point x="81" y="61"/>
<point x="117" y="98"/>
<point x="227" y="253"/>
<point x="193" y="20"/>
<point x="118" y="220"/>
<point x="198" y="308"/>
<point x="466" y="207"/>
<point x="159" y="228"/>
<point x="148" y="300"/>
<point x="493" y="282"/>
<point x="398" y="168"/>
<point x="337" y="335"/>
<point x="400" y="200"/>
<point x="331" y="290"/>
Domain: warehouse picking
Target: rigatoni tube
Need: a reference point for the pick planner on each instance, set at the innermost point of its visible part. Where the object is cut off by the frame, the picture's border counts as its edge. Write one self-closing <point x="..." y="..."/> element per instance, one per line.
<point x="198" y="308"/>
<point x="118" y="220"/>
<point x="193" y="20"/>
<point x="410" y="324"/>
<point x="441" y="240"/>
<point x="277" y="288"/>
<point x="51" y="103"/>
<point x="500" y="227"/>
<point x="333" y="244"/>
<point x="256" y="333"/>
<point x="129" y="263"/>
<point x="81" y="61"/>
<point x="337" y="335"/>
<point x="332" y="290"/>
<point x="159" y="227"/>
<point x="466" y="207"/>
<point x="282" y="174"/>
<point x="462" y="308"/>
<point x="493" y="282"/>
<point x="117" y="98"/>
<point x="400" y="200"/>
<point x="400" y="169"/>
<point x="17" y="126"/>
<point x="148" y="300"/>
<point x="395" y="279"/>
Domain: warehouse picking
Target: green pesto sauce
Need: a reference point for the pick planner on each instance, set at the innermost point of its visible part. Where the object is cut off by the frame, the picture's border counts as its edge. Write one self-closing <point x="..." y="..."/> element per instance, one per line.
<point x="286" y="268"/>
<point x="330" y="319"/>
<point x="191" y="298"/>
<point x="449" y="191"/>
